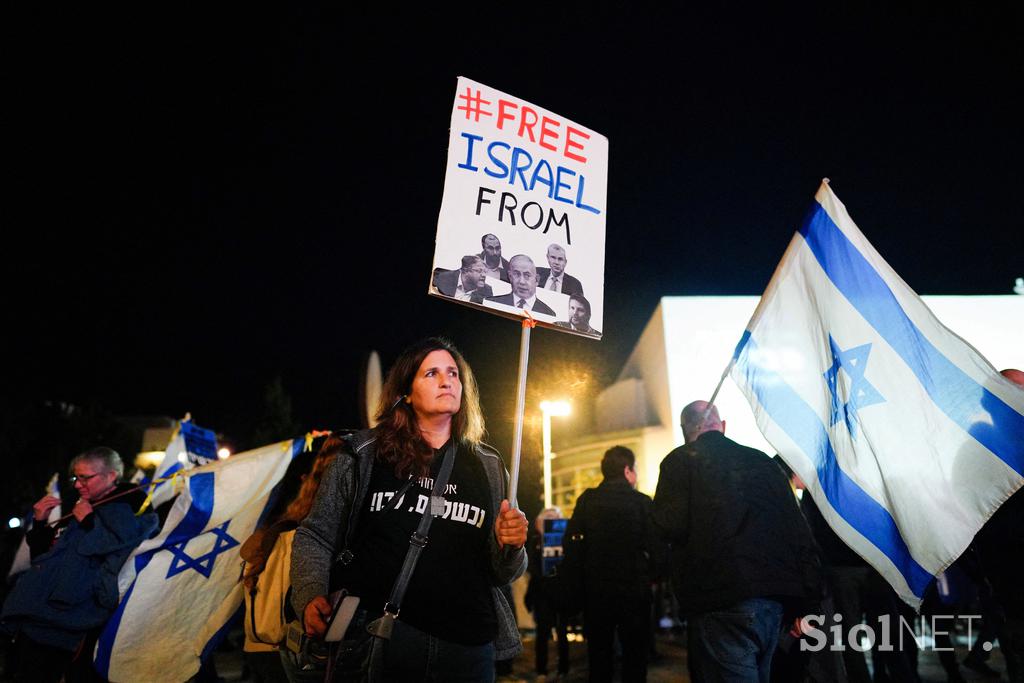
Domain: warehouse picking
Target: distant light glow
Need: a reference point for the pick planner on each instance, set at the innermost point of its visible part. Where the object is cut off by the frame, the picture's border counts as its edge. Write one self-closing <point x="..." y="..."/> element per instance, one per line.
<point x="147" y="459"/>
<point x="14" y="523"/>
<point x="556" y="408"/>
<point x="548" y="409"/>
<point x="223" y="453"/>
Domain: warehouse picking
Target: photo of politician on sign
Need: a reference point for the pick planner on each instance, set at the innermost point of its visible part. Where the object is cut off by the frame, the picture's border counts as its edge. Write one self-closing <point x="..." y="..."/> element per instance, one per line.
<point x="521" y="231"/>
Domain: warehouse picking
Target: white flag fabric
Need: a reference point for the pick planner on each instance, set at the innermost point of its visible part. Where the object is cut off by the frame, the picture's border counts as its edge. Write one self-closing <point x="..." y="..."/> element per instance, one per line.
<point x="906" y="437"/>
<point x="180" y="589"/>
<point x="190" y="446"/>
<point x="23" y="556"/>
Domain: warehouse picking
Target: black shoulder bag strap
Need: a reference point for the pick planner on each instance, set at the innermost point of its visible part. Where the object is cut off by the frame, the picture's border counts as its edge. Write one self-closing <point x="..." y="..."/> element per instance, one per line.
<point x="346" y="555"/>
<point x="382" y="626"/>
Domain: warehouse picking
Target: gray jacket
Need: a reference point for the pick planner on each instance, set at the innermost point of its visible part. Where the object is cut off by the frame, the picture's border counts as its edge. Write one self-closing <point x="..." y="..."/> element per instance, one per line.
<point x="321" y="536"/>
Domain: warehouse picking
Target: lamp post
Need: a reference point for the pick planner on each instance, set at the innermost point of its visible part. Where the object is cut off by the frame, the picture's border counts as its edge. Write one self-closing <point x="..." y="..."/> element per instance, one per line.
<point x="547" y="409"/>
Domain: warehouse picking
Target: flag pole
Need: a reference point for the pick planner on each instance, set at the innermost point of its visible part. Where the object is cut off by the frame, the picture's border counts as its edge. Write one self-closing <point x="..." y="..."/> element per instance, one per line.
<point x="772" y="283"/>
<point x="97" y="504"/>
<point x="714" y="394"/>
<point x="517" y="439"/>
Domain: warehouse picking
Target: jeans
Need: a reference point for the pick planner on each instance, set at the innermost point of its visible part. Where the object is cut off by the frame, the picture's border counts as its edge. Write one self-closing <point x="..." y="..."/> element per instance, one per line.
<point x="412" y="655"/>
<point x="735" y="644"/>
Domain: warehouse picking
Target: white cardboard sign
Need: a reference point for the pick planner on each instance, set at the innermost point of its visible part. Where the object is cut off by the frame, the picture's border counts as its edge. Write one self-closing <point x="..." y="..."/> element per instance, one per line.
<point x="522" y="220"/>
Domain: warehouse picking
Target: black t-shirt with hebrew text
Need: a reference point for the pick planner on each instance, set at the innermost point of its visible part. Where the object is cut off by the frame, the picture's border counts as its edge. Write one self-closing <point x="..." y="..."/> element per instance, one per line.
<point x="449" y="595"/>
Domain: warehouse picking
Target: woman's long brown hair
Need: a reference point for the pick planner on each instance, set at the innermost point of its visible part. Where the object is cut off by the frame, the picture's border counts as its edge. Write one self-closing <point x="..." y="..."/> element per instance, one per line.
<point x="256" y="555"/>
<point x="302" y="503"/>
<point x="400" y="444"/>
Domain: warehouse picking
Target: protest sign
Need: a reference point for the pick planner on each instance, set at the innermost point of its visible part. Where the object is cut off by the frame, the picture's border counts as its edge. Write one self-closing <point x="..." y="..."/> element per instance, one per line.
<point x="522" y="220"/>
<point x="551" y="545"/>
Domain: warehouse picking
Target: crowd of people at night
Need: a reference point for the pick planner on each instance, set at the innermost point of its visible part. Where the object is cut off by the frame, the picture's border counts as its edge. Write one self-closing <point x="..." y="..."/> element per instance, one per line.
<point x="391" y="556"/>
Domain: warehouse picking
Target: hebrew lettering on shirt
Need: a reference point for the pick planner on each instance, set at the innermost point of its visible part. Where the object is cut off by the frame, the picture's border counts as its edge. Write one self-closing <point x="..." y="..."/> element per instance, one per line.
<point x="379" y="499"/>
<point x="460" y="513"/>
<point x="455" y="512"/>
<point x="428" y="483"/>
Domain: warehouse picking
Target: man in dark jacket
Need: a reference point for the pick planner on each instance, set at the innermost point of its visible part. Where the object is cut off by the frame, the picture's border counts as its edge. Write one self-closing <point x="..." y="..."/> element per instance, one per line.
<point x="469" y="283"/>
<point x="742" y="556"/>
<point x="71" y="589"/>
<point x="621" y="553"/>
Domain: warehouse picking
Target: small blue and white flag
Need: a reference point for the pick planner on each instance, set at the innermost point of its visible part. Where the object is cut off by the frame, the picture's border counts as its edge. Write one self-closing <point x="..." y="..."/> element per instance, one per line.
<point x="906" y="437"/>
<point x="23" y="556"/>
<point x="190" y="446"/>
<point x="180" y="589"/>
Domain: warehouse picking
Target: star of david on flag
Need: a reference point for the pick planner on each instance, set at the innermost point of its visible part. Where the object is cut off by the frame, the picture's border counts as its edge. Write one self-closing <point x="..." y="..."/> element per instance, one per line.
<point x="857" y="393"/>
<point x="180" y="589"/>
<point x="906" y="437"/>
<point x="204" y="563"/>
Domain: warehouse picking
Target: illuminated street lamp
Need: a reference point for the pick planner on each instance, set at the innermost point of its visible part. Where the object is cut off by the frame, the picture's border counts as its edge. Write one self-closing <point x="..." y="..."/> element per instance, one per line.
<point x="549" y="408"/>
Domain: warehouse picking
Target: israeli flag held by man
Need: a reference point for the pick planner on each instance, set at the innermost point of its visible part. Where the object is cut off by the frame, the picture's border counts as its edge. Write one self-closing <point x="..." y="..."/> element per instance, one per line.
<point x="180" y="589"/>
<point x="906" y="437"/>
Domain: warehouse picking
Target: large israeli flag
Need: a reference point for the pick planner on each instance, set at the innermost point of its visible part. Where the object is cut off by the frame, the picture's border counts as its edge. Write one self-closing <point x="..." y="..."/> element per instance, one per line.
<point x="907" y="437"/>
<point x="180" y="589"/>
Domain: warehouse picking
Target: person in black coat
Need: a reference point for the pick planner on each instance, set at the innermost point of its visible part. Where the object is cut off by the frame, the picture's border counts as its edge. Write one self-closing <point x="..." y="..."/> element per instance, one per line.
<point x="621" y="552"/>
<point x="742" y="558"/>
<point x="538" y="599"/>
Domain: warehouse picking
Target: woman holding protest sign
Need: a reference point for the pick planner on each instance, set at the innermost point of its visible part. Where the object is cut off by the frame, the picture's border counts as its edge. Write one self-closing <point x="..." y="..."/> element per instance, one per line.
<point x="415" y="510"/>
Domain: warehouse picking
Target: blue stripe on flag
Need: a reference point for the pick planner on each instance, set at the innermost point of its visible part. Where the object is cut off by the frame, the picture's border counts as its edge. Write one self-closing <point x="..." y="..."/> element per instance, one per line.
<point x="950" y="388"/>
<point x="168" y="472"/>
<point x="803" y="425"/>
<point x="191" y="525"/>
<point x="195" y="520"/>
<point x="200" y="488"/>
<point x="298" y="446"/>
<point x="105" y="644"/>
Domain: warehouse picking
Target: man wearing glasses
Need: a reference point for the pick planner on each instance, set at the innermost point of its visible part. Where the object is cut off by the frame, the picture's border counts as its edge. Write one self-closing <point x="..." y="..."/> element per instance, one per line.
<point x="56" y="609"/>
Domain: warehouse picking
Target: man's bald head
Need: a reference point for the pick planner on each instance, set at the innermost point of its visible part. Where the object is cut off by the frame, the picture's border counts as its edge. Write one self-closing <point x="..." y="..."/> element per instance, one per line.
<point x="1014" y="375"/>
<point x="694" y="424"/>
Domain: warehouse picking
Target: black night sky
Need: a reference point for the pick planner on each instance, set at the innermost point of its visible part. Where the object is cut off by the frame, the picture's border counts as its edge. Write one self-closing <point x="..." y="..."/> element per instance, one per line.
<point x="199" y="200"/>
